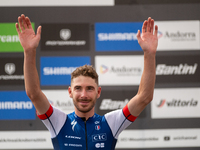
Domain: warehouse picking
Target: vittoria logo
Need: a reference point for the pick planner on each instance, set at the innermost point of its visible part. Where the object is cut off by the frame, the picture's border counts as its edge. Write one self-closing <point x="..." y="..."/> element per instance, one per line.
<point x="162" y="102"/>
<point x="178" y="103"/>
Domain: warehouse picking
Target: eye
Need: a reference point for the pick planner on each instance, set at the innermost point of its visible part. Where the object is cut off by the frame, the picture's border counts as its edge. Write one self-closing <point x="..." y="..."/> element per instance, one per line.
<point x="90" y="88"/>
<point x="77" y="87"/>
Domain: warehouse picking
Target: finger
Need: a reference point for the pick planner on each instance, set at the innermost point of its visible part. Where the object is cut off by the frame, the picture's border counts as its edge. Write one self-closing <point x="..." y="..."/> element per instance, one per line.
<point x="24" y="21"/>
<point x="156" y="30"/>
<point x="144" y="26"/>
<point x="152" y="25"/>
<point x="39" y="29"/>
<point x="20" y="23"/>
<point x="17" y="28"/>
<point x="149" y="25"/>
<point x="28" y="22"/>
<point x="138" y="36"/>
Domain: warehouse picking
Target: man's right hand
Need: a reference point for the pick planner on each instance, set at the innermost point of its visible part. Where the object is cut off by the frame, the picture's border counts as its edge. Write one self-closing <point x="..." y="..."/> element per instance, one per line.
<point x="29" y="40"/>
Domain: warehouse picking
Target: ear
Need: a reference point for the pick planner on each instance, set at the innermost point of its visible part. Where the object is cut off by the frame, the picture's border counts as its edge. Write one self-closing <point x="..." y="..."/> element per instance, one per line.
<point x="99" y="92"/>
<point x="70" y="92"/>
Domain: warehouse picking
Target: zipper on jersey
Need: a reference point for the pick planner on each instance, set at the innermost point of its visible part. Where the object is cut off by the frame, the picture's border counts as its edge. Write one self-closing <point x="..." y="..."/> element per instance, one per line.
<point x="85" y="133"/>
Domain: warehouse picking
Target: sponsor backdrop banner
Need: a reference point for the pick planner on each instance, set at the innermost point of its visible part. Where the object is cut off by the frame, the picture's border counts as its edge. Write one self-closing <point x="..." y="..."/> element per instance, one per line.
<point x="65" y="37"/>
<point x="178" y="35"/>
<point x="20" y="3"/>
<point x="60" y="99"/>
<point x="159" y="138"/>
<point x="57" y="70"/>
<point x="178" y="69"/>
<point x="25" y="140"/>
<point x="119" y="70"/>
<point x="176" y="103"/>
<point x="9" y="40"/>
<point x="11" y="71"/>
<point x="15" y="105"/>
<point x="113" y="100"/>
<point x="104" y="37"/>
<point x="117" y="36"/>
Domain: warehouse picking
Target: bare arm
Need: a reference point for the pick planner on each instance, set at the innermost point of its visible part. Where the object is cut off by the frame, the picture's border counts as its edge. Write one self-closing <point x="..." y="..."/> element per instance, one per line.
<point x="29" y="41"/>
<point x="148" y="41"/>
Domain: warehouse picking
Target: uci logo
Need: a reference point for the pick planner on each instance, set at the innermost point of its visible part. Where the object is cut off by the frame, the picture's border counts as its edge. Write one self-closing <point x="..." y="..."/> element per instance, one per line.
<point x="65" y="34"/>
<point x="10" y="68"/>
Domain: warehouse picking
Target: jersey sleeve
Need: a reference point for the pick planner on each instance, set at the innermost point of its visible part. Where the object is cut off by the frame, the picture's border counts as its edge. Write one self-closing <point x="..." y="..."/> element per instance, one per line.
<point x="54" y="120"/>
<point x="119" y="120"/>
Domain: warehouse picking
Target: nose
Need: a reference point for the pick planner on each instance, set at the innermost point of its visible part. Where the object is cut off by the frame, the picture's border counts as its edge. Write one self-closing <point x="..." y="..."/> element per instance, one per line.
<point x="84" y="94"/>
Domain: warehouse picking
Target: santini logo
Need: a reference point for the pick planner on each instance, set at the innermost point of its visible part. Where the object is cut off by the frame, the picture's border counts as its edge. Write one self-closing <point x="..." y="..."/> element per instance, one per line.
<point x="109" y="104"/>
<point x="163" y="69"/>
<point x="16" y="105"/>
<point x="117" y="36"/>
<point x="178" y="103"/>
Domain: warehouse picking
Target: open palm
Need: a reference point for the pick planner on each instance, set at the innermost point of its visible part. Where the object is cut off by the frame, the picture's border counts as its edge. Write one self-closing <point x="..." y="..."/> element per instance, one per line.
<point x="28" y="39"/>
<point x="148" y="40"/>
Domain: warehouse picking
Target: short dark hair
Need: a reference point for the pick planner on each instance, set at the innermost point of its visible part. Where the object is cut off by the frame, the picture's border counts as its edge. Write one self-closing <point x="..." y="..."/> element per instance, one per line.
<point x="87" y="71"/>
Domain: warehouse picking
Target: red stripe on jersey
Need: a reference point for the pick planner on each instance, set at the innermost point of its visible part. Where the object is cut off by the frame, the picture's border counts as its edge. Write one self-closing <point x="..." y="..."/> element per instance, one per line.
<point x="128" y="115"/>
<point x="47" y="114"/>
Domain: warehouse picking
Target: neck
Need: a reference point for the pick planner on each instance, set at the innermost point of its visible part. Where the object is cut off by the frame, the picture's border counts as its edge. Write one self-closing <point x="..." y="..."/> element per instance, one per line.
<point x="85" y="115"/>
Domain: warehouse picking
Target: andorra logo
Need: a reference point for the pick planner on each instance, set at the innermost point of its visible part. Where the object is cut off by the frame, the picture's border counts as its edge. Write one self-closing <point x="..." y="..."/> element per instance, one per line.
<point x="65" y="34"/>
<point x="103" y="69"/>
<point x="160" y="34"/>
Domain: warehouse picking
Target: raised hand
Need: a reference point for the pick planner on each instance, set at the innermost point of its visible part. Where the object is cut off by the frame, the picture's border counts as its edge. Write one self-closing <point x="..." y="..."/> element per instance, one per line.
<point x="28" y="39"/>
<point x="148" y="40"/>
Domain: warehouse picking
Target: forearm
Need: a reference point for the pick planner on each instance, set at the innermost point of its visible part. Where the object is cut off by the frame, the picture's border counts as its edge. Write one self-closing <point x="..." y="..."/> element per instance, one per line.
<point x="146" y="88"/>
<point x="147" y="82"/>
<point x="32" y="84"/>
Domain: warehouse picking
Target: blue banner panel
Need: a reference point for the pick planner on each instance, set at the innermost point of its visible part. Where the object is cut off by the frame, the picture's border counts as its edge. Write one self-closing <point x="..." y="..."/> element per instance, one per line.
<point x="117" y="36"/>
<point x="15" y="105"/>
<point x="57" y="70"/>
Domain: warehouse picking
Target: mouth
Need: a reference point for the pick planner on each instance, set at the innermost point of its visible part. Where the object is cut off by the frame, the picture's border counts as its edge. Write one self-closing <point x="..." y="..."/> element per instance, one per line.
<point x="83" y="102"/>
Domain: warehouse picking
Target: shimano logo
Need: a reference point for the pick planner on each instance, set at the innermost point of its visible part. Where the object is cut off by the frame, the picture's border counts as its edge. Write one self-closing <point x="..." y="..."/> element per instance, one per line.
<point x="109" y="104"/>
<point x="58" y="70"/>
<point x="117" y="36"/>
<point x="163" y="69"/>
<point x="16" y="105"/>
<point x="176" y="36"/>
<point x="9" y="38"/>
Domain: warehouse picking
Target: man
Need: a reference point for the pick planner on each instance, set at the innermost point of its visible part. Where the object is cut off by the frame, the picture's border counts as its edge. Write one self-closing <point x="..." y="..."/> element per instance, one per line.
<point x="83" y="129"/>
